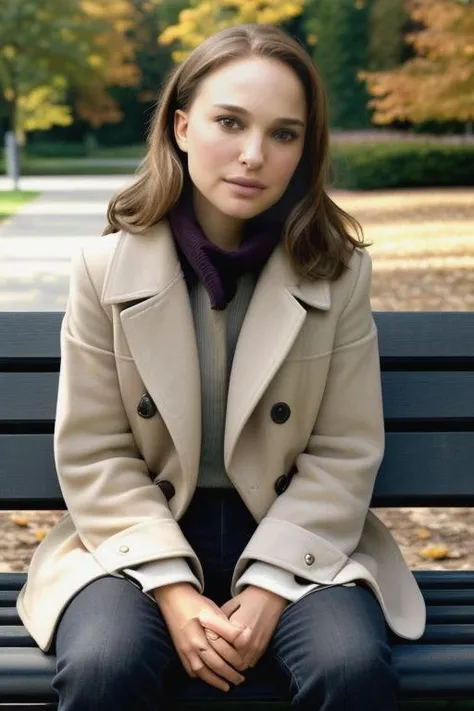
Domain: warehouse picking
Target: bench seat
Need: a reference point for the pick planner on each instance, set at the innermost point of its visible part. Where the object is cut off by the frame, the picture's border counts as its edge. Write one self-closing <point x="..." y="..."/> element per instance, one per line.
<point x="441" y="664"/>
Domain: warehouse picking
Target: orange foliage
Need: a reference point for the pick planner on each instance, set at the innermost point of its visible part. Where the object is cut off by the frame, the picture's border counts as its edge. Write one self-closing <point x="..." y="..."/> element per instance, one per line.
<point x="438" y="83"/>
<point x="113" y="61"/>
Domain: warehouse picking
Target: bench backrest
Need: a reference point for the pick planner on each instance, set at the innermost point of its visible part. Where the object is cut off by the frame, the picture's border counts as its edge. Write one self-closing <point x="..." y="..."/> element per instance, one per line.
<point x="427" y="364"/>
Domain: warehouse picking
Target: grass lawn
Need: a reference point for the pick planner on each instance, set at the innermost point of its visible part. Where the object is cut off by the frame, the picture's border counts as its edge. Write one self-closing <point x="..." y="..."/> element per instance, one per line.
<point x="12" y="200"/>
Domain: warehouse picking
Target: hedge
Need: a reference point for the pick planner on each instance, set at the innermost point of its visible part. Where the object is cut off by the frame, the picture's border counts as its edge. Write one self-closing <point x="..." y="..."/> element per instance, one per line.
<point x="372" y="166"/>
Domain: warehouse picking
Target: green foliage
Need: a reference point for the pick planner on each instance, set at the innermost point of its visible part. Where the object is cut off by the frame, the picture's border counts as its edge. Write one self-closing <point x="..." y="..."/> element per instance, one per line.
<point x="339" y="31"/>
<point x="40" y="43"/>
<point x="49" y="50"/>
<point x="56" y="149"/>
<point x="374" y="166"/>
<point x="386" y="42"/>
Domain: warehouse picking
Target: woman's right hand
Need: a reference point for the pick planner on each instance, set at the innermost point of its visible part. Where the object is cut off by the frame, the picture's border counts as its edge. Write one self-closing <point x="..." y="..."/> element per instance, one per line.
<point x="182" y="605"/>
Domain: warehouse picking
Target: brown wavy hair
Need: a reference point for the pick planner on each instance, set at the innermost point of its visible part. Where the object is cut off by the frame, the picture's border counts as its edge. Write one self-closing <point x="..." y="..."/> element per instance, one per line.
<point x="315" y="231"/>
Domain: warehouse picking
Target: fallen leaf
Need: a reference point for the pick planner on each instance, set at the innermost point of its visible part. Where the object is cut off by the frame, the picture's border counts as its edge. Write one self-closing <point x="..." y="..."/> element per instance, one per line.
<point x="434" y="552"/>
<point x="423" y="533"/>
<point x="40" y="533"/>
<point x="19" y="520"/>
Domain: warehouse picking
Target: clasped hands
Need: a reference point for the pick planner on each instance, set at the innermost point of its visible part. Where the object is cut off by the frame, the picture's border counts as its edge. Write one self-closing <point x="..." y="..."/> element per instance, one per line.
<point x="255" y="612"/>
<point x="218" y="643"/>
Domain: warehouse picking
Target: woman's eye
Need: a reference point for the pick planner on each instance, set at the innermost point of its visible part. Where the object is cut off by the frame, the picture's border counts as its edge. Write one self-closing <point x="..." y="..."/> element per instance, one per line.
<point x="290" y="136"/>
<point x="229" y="120"/>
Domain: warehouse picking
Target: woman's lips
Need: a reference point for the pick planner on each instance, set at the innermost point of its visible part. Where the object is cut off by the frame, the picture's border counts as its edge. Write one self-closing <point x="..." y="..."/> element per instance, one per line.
<point x="244" y="190"/>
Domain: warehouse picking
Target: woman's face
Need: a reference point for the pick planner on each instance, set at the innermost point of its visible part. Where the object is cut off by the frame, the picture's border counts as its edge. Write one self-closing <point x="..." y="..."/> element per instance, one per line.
<point x="259" y="137"/>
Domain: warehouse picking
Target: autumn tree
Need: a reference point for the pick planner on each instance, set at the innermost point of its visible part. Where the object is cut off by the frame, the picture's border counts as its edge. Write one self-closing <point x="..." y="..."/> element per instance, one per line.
<point x="206" y="17"/>
<point x="437" y="83"/>
<point x="49" y="49"/>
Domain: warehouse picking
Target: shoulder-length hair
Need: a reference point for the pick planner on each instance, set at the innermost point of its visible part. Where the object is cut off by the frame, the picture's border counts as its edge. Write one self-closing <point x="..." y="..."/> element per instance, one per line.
<point x="315" y="231"/>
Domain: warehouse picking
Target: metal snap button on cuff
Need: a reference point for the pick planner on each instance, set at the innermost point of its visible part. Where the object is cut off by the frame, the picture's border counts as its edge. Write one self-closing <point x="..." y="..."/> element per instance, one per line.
<point x="124" y="549"/>
<point x="309" y="559"/>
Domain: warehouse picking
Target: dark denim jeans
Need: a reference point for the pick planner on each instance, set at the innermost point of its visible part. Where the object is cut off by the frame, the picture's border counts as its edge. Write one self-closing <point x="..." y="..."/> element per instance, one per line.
<point x="330" y="650"/>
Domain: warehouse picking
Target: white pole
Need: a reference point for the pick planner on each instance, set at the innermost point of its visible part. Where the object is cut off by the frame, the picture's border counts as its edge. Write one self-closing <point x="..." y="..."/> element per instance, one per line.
<point x="13" y="163"/>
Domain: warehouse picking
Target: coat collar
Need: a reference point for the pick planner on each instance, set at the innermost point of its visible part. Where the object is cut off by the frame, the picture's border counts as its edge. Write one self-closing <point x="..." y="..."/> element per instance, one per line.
<point x="145" y="275"/>
<point x="145" y="265"/>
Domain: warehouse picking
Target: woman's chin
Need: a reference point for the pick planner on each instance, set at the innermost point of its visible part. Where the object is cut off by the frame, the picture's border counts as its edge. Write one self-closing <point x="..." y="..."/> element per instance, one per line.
<point x="241" y="210"/>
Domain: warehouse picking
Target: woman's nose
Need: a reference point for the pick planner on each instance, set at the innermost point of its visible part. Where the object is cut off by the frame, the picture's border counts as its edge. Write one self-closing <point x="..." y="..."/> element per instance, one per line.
<point x="252" y="152"/>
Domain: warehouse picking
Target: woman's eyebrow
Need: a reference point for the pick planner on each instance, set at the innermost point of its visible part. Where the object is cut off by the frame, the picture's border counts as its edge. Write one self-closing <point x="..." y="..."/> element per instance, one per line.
<point x="241" y="110"/>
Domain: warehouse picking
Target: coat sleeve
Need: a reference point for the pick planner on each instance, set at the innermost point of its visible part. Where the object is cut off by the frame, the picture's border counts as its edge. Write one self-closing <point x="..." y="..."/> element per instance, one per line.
<point x="338" y="467"/>
<point x="121" y="517"/>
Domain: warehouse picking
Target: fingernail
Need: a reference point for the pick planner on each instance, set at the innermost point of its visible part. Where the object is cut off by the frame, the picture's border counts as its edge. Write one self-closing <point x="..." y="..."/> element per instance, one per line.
<point x="212" y="635"/>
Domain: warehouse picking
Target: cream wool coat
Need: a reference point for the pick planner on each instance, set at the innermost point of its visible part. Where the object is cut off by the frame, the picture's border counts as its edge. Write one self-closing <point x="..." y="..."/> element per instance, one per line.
<point x="128" y="329"/>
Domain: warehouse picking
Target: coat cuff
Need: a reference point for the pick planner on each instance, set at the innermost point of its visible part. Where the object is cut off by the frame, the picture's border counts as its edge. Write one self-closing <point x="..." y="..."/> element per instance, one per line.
<point x="157" y="573"/>
<point x="269" y="544"/>
<point x="276" y="580"/>
<point x="149" y="541"/>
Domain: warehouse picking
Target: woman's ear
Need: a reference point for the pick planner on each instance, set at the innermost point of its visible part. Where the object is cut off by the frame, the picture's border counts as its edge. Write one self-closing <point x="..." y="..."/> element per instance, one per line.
<point x="181" y="129"/>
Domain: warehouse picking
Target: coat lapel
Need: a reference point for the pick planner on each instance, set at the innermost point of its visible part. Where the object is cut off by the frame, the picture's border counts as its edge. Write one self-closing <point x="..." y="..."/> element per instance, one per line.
<point x="272" y="323"/>
<point x="159" y="328"/>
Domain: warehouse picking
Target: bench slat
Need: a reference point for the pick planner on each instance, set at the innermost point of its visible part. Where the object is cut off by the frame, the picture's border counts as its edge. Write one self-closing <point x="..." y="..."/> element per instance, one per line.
<point x="17" y="636"/>
<point x="30" y="335"/>
<point x="31" y="397"/>
<point x="418" y="469"/>
<point x="407" y="339"/>
<point x="416" y="337"/>
<point x="450" y="614"/>
<point x="449" y="597"/>
<point x="435" y="395"/>
<point x="28" y="397"/>
<point x="426" y="579"/>
<point x="427" y="469"/>
<point x="427" y="670"/>
<point x="406" y="336"/>
<point x="432" y="597"/>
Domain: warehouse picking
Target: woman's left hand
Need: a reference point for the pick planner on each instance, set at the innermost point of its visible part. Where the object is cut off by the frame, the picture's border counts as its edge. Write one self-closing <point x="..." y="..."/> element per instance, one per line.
<point x="259" y="610"/>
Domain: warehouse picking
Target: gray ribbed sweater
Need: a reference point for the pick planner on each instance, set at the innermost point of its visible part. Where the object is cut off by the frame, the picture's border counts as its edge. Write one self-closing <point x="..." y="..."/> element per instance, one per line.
<point x="216" y="337"/>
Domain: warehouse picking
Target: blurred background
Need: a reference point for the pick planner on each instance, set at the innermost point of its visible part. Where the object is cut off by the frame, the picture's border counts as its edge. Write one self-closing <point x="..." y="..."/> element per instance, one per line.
<point x="78" y="84"/>
<point x="79" y="81"/>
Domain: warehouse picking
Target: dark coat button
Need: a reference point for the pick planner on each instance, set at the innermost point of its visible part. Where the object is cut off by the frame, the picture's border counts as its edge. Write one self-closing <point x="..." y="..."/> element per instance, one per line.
<point x="280" y="412"/>
<point x="282" y="484"/>
<point x="284" y="481"/>
<point x="146" y="407"/>
<point x="167" y="488"/>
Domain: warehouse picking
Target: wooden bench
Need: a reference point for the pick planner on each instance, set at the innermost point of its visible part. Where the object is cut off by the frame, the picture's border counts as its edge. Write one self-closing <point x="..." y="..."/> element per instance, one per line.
<point x="428" y="382"/>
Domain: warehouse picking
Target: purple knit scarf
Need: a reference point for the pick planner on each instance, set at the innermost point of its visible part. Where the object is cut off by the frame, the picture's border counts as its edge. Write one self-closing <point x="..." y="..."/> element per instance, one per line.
<point x="217" y="268"/>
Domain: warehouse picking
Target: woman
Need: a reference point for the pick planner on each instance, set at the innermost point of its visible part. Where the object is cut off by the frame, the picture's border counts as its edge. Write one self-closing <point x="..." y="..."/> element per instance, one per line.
<point x="219" y="421"/>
